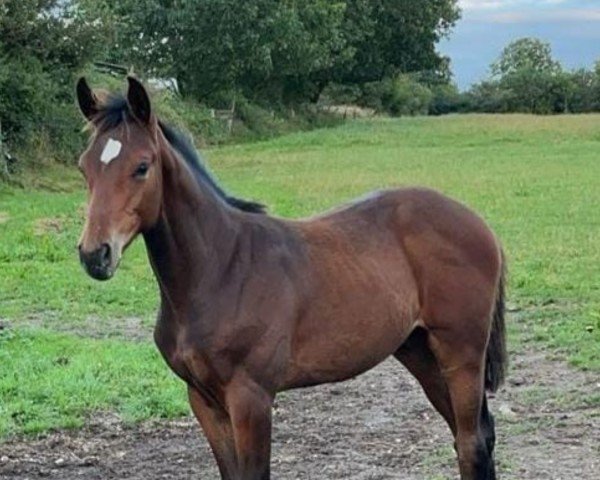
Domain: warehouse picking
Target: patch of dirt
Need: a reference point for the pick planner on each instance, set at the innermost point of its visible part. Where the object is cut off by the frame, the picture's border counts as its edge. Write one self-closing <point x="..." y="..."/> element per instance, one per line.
<point x="45" y="226"/>
<point x="127" y="328"/>
<point x="4" y="217"/>
<point x="377" y="426"/>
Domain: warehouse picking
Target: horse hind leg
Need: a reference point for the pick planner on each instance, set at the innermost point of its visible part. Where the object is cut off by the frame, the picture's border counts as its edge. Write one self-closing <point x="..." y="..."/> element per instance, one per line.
<point x="462" y="366"/>
<point x="488" y="428"/>
<point x="420" y="361"/>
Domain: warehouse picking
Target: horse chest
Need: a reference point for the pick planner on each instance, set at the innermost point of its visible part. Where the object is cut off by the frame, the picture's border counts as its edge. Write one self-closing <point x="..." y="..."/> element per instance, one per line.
<point x="170" y="340"/>
<point x="192" y="362"/>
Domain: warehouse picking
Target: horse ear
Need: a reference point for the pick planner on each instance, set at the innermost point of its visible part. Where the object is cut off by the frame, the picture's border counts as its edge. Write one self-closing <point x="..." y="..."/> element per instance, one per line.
<point x="88" y="103"/>
<point x="139" y="101"/>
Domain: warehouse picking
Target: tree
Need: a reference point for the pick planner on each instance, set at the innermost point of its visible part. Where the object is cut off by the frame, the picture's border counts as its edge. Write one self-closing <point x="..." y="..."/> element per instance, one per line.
<point x="525" y="54"/>
<point x="527" y="79"/>
<point x="582" y="94"/>
<point x="596" y="87"/>
<point x="395" y="36"/>
<point x="52" y="31"/>
<point x="530" y="79"/>
<point x="43" y="43"/>
<point x="216" y="47"/>
<point x="275" y="50"/>
<point x="533" y="91"/>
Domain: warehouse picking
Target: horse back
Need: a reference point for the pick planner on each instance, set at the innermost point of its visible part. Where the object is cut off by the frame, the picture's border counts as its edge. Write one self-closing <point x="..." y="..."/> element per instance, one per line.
<point x="380" y="267"/>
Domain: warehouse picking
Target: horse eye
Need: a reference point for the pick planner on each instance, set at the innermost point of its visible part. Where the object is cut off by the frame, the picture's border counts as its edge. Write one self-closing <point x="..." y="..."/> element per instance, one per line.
<point x="141" y="170"/>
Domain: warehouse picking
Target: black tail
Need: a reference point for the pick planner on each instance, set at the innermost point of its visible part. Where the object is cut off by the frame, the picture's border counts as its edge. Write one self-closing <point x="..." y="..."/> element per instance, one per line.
<point x="496" y="357"/>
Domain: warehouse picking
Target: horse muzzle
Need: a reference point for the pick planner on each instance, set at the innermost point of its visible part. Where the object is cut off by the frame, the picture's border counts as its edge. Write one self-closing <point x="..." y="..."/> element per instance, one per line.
<point x="100" y="263"/>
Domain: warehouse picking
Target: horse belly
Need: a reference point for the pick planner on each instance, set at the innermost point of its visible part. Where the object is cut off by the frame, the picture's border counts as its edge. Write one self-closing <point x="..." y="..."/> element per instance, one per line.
<point x="350" y="329"/>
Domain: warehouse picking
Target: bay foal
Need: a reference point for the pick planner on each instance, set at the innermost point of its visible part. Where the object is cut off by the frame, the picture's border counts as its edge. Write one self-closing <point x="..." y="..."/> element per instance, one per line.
<point x="252" y="304"/>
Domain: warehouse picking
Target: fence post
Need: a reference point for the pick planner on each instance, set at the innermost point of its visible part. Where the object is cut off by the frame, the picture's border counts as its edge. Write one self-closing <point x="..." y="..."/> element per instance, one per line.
<point x="232" y="115"/>
<point x="3" y="162"/>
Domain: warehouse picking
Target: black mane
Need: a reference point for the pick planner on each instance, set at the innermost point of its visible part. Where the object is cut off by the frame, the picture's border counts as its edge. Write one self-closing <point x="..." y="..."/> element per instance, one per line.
<point x="115" y="111"/>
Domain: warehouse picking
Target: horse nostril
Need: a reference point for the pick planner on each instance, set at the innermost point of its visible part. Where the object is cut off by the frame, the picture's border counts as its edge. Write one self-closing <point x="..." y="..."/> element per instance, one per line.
<point x="99" y="262"/>
<point x="104" y="254"/>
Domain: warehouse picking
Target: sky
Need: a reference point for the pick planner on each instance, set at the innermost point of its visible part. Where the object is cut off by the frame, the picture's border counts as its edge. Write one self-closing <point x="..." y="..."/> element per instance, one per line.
<point x="572" y="27"/>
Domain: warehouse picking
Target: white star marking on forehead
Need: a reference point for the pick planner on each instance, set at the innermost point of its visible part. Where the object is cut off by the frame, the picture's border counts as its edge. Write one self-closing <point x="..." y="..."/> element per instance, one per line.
<point x="111" y="151"/>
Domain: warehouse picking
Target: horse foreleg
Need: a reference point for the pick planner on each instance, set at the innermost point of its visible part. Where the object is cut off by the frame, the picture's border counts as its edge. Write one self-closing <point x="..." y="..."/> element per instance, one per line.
<point x="249" y="407"/>
<point x="217" y="428"/>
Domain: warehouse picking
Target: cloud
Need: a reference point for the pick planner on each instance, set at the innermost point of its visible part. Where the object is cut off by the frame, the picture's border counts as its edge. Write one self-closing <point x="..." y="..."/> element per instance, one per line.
<point x="507" y="4"/>
<point x="531" y="11"/>
<point x="571" y="26"/>
<point x="481" y="4"/>
<point x="558" y="15"/>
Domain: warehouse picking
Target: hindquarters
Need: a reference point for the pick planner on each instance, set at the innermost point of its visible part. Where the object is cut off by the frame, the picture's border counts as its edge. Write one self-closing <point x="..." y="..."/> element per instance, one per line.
<point x="454" y="365"/>
<point x="458" y="266"/>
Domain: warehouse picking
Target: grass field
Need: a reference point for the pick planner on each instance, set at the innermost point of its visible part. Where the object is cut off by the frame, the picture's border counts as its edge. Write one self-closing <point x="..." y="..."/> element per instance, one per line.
<point x="65" y="352"/>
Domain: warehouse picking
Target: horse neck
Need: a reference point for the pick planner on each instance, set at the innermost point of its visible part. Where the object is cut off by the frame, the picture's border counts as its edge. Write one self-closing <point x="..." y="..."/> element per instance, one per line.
<point x="194" y="238"/>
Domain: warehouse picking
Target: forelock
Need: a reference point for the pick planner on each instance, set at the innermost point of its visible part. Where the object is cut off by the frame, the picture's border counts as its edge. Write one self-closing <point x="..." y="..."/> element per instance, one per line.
<point x="112" y="112"/>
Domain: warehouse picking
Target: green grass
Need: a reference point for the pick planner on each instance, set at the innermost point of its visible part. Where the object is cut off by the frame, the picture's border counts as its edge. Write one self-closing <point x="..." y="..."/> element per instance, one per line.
<point x="50" y="380"/>
<point x="40" y="267"/>
<point x="535" y="179"/>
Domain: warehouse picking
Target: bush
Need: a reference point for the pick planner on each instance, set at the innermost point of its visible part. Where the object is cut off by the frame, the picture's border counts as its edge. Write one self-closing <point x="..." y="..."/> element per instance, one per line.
<point x="408" y="97"/>
<point x="41" y="122"/>
<point x="32" y="107"/>
<point x="26" y="96"/>
<point x="375" y="95"/>
<point x="401" y="95"/>
<point x="338" y="94"/>
<point x="191" y="116"/>
<point x="487" y="97"/>
<point x="255" y="122"/>
<point x="446" y="99"/>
